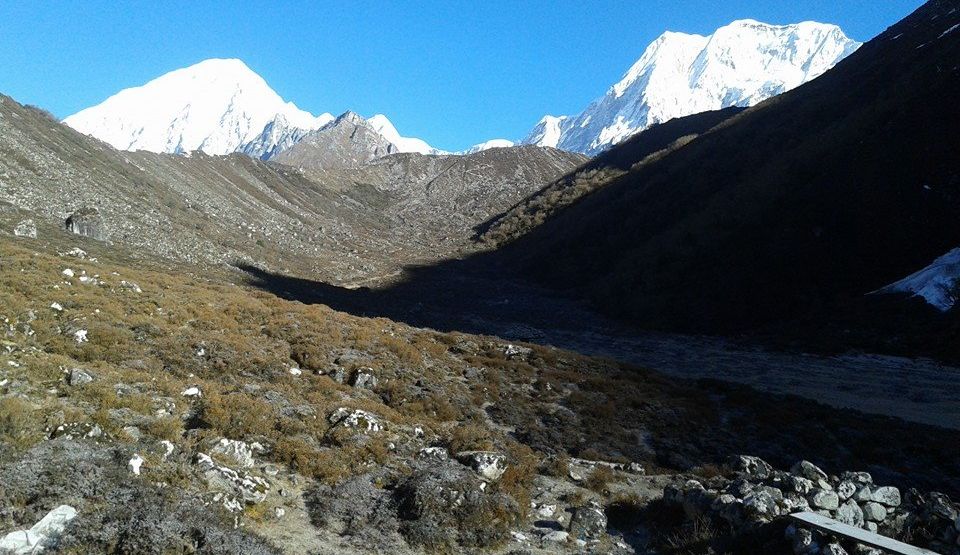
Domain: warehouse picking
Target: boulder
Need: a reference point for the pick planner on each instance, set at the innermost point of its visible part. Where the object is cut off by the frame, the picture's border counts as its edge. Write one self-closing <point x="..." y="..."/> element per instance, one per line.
<point x="887" y="495"/>
<point x="434" y="454"/>
<point x="445" y="507"/>
<point x="589" y="522"/>
<point x="850" y="513"/>
<point x="42" y="535"/>
<point x="79" y="376"/>
<point x="874" y="512"/>
<point x="809" y="471"/>
<point x="364" y="379"/>
<point x="87" y="222"/>
<point x="846" y="489"/>
<point x="26" y="228"/>
<point x="822" y="499"/>
<point x="238" y="453"/>
<point x="754" y="467"/>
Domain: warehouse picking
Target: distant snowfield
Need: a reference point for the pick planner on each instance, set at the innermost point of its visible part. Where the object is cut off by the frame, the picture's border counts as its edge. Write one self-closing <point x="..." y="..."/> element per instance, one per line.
<point x="934" y="282"/>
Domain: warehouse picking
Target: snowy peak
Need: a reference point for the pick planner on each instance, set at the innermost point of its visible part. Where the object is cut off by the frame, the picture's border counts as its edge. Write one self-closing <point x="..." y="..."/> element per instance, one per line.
<point x="404" y="144"/>
<point x="680" y="74"/>
<point x="487" y="145"/>
<point x="938" y="283"/>
<point x="216" y="106"/>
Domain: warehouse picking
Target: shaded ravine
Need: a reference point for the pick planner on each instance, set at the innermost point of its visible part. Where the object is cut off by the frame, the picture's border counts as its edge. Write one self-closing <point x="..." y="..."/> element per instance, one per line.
<point x="492" y="303"/>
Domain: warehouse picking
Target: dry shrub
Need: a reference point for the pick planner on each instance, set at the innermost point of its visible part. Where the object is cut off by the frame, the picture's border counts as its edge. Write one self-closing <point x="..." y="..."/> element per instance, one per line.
<point x="21" y="424"/>
<point x="238" y="415"/>
<point x="600" y="478"/>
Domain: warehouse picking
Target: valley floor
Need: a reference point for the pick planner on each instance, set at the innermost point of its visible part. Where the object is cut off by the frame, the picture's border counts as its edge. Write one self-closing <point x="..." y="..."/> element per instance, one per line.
<point x="458" y="298"/>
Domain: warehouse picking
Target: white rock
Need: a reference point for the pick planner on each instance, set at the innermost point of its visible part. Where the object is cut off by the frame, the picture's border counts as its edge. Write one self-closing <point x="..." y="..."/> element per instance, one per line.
<point x="68" y="272"/>
<point x="240" y="452"/>
<point x="167" y="448"/>
<point x="296" y="371"/>
<point x="135" y="463"/>
<point x="546" y="510"/>
<point x="57" y="306"/>
<point x="356" y="418"/>
<point x="192" y="391"/>
<point x="557" y="536"/>
<point x="35" y="539"/>
<point x="488" y="464"/>
<point x="80" y="336"/>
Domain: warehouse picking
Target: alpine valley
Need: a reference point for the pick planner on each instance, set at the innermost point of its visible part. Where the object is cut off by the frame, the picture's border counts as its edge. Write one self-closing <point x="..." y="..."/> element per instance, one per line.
<point x="715" y="306"/>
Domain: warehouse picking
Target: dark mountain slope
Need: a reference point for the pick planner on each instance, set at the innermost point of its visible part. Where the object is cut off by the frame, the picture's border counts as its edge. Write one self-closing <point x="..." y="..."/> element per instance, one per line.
<point x="643" y="147"/>
<point x="790" y="208"/>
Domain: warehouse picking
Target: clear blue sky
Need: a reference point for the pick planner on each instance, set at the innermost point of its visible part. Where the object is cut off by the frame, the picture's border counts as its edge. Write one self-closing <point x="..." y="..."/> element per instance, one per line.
<point x="453" y="73"/>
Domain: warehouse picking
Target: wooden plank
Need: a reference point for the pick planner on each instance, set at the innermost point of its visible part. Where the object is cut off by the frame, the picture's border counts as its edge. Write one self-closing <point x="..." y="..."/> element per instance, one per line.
<point x="866" y="537"/>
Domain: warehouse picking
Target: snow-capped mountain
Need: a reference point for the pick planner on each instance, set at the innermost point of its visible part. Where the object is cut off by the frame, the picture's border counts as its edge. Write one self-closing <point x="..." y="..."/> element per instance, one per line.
<point x="216" y="106"/>
<point x="404" y="144"/>
<point x="937" y="283"/>
<point x="486" y="145"/>
<point x="680" y="74"/>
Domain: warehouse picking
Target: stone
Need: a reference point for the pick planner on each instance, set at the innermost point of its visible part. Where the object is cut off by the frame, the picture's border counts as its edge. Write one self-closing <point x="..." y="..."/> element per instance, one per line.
<point x="252" y="489"/>
<point x="822" y="499"/>
<point x="846" y="489"/>
<point x="863" y="478"/>
<point x="364" y="379"/>
<point x="488" y="464"/>
<point x="833" y="549"/>
<point x="589" y="522"/>
<point x="239" y="453"/>
<point x="87" y="222"/>
<point x="887" y="495"/>
<point x="355" y="418"/>
<point x="754" y="467"/>
<point x="850" y="513"/>
<point x="939" y="504"/>
<point x="434" y="454"/>
<point x="79" y="377"/>
<point x="41" y="535"/>
<point x="799" y="484"/>
<point x="809" y="471"/>
<point x="514" y="351"/>
<point x="26" y="228"/>
<point x="802" y="540"/>
<point x="192" y="391"/>
<point x="863" y="494"/>
<point x="80" y="336"/>
<point x="874" y="511"/>
<point x="546" y="510"/>
<point x="861" y="549"/>
<point x="557" y="536"/>
<point x="760" y="506"/>
<point x="135" y="463"/>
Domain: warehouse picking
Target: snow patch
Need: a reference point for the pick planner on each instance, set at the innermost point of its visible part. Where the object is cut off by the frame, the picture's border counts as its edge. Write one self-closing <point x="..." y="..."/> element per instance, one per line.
<point x="934" y="283"/>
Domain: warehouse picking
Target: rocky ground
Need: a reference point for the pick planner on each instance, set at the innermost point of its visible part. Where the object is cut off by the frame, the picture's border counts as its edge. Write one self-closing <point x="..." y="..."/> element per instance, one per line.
<point x="146" y="408"/>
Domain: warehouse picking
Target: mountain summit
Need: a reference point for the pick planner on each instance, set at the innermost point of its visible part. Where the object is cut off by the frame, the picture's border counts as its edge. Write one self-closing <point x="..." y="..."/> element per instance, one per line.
<point x="215" y="106"/>
<point x="679" y="74"/>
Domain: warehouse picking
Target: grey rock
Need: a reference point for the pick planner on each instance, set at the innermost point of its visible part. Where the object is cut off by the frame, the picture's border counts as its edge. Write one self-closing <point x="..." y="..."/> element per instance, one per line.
<point x="754" y="467"/>
<point x="863" y="494"/>
<point x="887" y="495"/>
<point x="760" y="506"/>
<point x="850" y="513"/>
<point x="556" y="536"/>
<point x="26" y="228"/>
<point x="874" y="512"/>
<point x="87" y="222"/>
<point x="846" y="489"/>
<point x="857" y="477"/>
<point x="440" y="505"/>
<point x="809" y="471"/>
<point x="365" y="379"/>
<point x="822" y="499"/>
<point x="488" y="464"/>
<point x="79" y="376"/>
<point x="589" y="522"/>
